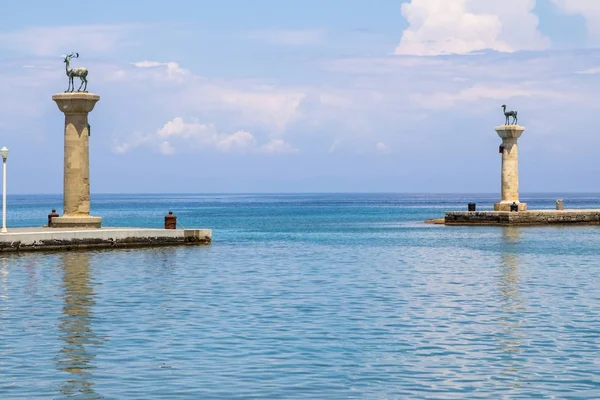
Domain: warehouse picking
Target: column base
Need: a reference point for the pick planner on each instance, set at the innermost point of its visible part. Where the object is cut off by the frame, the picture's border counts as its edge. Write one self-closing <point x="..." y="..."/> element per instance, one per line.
<point x="83" y="221"/>
<point x="505" y="206"/>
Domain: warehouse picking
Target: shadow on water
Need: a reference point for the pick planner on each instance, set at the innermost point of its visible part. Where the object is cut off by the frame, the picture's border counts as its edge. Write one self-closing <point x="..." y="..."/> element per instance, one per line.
<point x="77" y="354"/>
<point x="512" y="306"/>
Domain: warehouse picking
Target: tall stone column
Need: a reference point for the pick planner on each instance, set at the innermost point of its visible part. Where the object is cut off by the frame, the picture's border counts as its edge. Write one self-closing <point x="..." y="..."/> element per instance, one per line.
<point x="510" y="167"/>
<point x="76" y="191"/>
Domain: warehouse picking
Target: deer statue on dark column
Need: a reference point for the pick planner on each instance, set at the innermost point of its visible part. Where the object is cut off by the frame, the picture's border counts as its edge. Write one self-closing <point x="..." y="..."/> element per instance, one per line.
<point x="80" y="73"/>
<point x="509" y="114"/>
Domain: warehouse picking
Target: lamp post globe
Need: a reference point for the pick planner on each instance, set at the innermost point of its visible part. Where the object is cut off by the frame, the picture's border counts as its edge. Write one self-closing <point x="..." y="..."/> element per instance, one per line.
<point x="4" y="152"/>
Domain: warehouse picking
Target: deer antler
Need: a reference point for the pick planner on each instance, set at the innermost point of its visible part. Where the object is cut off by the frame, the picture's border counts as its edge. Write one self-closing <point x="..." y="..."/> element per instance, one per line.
<point x="77" y="55"/>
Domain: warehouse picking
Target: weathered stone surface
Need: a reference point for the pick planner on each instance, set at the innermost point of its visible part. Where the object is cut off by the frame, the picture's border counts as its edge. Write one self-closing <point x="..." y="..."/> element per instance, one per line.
<point x="56" y="239"/>
<point x="76" y="222"/>
<point x="76" y="107"/>
<point x="501" y="206"/>
<point x="539" y="217"/>
<point x="76" y="102"/>
<point x="510" y="164"/>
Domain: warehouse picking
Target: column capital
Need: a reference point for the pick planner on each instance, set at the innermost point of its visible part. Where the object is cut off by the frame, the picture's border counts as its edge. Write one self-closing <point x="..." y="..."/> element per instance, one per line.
<point x="75" y="102"/>
<point x="510" y="131"/>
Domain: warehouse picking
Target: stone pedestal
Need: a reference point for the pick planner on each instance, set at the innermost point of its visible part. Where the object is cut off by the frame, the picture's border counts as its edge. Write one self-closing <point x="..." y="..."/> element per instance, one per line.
<point x="510" y="167"/>
<point x="76" y="191"/>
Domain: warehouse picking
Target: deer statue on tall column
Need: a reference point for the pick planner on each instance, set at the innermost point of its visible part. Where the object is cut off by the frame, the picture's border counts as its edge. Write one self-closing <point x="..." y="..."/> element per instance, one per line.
<point x="80" y="73"/>
<point x="509" y="114"/>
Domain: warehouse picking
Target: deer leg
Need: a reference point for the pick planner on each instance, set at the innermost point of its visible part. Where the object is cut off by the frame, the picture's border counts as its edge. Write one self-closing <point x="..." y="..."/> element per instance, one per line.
<point x="72" y="84"/>
<point x="85" y="87"/>
<point x="79" y="90"/>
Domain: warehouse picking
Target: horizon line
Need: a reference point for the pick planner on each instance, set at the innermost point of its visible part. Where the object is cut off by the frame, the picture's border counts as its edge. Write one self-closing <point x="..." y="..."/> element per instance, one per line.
<point x="300" y="192"/>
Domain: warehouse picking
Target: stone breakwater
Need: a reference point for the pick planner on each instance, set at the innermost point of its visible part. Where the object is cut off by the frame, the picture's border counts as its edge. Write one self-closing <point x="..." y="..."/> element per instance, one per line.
<point x="539" y="217"/>
<point x="56" y="239"/>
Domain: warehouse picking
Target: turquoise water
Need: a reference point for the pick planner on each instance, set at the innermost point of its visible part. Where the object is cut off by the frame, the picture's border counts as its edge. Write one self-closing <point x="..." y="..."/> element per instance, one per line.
<point x="305" y="297"/>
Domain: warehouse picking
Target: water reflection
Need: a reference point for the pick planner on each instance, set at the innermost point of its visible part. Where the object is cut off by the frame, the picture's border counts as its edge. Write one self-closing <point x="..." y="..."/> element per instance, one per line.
<point x="32" y="279"/>
<point x="511" y="336"/>
<point x="509" y="271"/>
<point x="3" y="279"/>
<point x="77" y="355"/>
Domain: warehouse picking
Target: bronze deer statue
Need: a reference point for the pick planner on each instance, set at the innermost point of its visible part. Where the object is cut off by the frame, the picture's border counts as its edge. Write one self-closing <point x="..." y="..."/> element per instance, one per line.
<point x="80" y="73"/>
<point x="509" y="114"/>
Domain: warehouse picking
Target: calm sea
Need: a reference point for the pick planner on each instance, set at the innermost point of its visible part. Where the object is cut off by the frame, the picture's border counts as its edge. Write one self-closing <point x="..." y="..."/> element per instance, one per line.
<point x="305" y="296"/>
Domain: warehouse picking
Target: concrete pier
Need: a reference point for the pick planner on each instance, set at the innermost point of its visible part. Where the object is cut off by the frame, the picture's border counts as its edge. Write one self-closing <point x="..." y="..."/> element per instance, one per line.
<point x="537" y="217"/>
<point x="510" y="167"/>
<point x="56" y="239"/>
<point x="76" y="106"/>
<point x="502" y="214"/>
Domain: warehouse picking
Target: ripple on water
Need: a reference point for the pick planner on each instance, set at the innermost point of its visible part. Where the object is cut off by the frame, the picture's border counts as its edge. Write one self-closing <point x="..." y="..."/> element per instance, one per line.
<point x="400" y="312"/>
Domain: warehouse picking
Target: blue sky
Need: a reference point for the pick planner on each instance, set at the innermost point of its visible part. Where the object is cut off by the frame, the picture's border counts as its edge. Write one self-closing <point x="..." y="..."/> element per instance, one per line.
<point x="294" y="96"/>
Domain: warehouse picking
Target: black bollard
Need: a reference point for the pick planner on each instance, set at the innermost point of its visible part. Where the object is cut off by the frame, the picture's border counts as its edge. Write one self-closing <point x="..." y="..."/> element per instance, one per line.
<point x="472" y="207"/>
<point x="170" y="221"/>
<point x="50" y="216"/>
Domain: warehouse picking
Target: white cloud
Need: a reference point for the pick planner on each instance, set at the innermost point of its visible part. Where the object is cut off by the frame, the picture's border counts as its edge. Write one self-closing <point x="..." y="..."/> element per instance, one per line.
<point x="382" y="148"/>
<point x="195" y="135"/>
<point x="54" y="41"/>
<point x="288" y="37"/>
<point x="589" y="71"/>
<point x="172" y="69"/>
<point x="367" y="96"/>
<point x="120" y="148"/>
<point x="270" y="107"/>
<point x="186" y="130"/>
<point x="205" y="135"/>
<point x="588" y="9"/>
<point x="277" y="146"/>
<point x="166" y="148"/>
<point x="239" y="139"/>
<point x="134" y="140"/>
<point x="469" y="95"/>
<point x="149" y="64"/>
<point x="161" y="72"/>
<point x="464" y="26"/>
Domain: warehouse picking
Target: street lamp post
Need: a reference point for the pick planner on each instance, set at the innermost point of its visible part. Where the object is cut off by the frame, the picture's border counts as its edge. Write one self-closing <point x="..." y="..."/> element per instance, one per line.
<point x="4" y="152"/>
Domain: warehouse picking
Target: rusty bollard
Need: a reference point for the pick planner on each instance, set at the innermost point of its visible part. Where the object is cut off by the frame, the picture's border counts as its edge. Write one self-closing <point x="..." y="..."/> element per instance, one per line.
<point x="50" y="216"/>
<point x="170" y="221"/>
